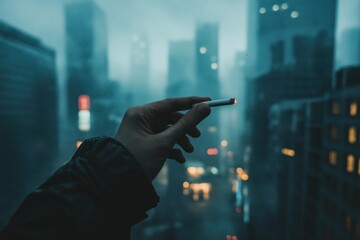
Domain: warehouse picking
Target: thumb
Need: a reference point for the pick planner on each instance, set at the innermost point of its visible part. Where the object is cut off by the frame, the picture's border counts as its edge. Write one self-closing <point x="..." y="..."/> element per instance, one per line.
<point x="188" y="122"/>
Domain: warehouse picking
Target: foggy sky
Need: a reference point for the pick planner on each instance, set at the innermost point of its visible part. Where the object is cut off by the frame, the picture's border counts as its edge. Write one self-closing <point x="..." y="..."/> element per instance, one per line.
<point x="162" y="20"/>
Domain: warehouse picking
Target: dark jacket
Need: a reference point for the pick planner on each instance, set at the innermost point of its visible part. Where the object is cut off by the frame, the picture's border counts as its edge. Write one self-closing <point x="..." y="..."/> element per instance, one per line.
<point x="99" y="194"/>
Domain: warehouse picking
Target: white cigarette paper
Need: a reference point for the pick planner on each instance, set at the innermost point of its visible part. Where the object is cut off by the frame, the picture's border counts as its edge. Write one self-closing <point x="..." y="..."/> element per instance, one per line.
<point x="221" y="102"/>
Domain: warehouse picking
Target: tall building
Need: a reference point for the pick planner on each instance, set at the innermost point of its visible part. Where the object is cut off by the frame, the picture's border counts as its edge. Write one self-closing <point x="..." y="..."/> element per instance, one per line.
<point x="181" y="70"/>
<point x="277" y="22"/>
<point x="207" y="58"/>
<point x="140" y="69"/>
<point x="296" y="151"/>
<point x="313" y="148"/>
<point x="340" y="191"/>
<point x="347" y="51"/>
<point x="28" y="115"/>
<point x="293" y="44"/>
<point x="87" y="69"/>
<point x="207" y="84"/>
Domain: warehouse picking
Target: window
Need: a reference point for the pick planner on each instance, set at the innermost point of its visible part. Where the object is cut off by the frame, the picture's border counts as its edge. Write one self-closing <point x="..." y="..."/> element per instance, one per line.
<point x="350" y="163"/>
<point x="334" y="133"/>
<point x="333" y="158"/>
<point x="352" y="135"/>
<point x="353" y="109"/>
<point x="335" y="108"/>
<point x="359" y="167"/>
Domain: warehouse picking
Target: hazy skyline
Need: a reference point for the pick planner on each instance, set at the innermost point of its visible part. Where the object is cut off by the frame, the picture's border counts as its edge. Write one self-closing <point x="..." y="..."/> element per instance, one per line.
<point x="162" y="20"/>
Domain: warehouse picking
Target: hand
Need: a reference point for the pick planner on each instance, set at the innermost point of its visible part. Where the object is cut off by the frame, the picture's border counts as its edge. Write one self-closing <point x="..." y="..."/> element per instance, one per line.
<point x="150" y="131"/>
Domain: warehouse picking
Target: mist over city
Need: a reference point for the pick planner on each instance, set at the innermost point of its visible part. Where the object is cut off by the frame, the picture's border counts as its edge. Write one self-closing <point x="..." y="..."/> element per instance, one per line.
<point x="281" y="163"/>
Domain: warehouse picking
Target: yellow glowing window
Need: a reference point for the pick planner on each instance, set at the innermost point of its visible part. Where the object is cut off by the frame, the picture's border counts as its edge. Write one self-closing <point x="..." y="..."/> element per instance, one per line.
<point x="288" y="152"/>
<point x="350" y="163"/>
<point x="335" y="108"/>
<point x="352" y="135"/>
<point x="334" y="133"/>
<point x="353" y="109"/>
<point x="333" y="158"/>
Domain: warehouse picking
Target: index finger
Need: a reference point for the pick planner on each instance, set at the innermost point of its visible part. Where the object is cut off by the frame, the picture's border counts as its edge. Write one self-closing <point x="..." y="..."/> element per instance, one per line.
<point x="176" y="104"/>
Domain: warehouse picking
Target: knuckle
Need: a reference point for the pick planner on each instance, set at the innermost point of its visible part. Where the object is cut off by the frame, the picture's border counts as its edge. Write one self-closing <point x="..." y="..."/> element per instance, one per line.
<point x="132" y="112"/>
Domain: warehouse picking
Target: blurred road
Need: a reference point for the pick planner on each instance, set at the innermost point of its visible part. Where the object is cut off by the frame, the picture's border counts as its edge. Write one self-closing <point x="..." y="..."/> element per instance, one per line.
<point x="182" y="218"/>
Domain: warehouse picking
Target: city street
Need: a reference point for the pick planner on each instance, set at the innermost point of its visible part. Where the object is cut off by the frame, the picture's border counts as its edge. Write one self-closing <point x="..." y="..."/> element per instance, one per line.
<point x="185" y="218"/>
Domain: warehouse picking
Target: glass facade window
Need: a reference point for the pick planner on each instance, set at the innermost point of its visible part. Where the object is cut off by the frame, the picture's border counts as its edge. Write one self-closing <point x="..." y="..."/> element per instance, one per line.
<point x="352" y="135"/>
<point x="334" y="133"/>
<point x="353" y="109"/>
<point x="350" y="163"/>
<point x="335" y="108"/>
<point x="333" y="158"/>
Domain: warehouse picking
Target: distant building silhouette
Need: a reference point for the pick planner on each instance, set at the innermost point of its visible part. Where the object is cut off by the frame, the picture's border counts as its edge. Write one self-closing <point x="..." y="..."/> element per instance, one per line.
<point x="207" y="84"/>
<point x="28" y="100"/>
<point x="181" y="69"/>
<point x="291" y="44"/>
<point x="140" y="69"/>
<point x="87" y="68"/>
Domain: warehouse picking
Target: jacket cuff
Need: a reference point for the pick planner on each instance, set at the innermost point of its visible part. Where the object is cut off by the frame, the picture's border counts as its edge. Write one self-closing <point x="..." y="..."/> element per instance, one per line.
<point x="124" y="179"/>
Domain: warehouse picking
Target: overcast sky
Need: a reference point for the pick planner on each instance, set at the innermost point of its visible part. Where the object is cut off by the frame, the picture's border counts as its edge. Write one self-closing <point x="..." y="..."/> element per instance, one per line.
<point x="162" y="20"/>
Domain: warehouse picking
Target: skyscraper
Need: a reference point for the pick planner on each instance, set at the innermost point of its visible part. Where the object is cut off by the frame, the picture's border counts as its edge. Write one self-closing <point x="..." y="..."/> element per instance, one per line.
<point x="293" y="45"/>
<point x="28" y="116"/>
<point x="181" y="70"/>
<point x="140" y="69"/>
<point x="87" y="67"/>
<point x="207" y="84"/>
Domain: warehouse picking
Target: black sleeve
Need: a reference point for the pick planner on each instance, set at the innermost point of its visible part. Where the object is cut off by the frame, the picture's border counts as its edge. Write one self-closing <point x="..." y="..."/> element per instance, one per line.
<point x="99" y="194"/>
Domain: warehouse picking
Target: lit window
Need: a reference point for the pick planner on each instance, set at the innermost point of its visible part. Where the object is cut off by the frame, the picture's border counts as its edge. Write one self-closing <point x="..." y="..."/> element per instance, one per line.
<point x="332" y="158"/>
<point x="262" y="10"/>
<point x="203" y="50"/>
<point x="195" y="171"/>
<point x="350" y="163"/>
<point x="245" y="177"/>
<point x="335" y="108"/>
<point x="275" y="8"/>
<point x="284" y="6"/>
<point x="288" y="152"/>
<point x="353" y="109"/>
<point x="294" y="14"/>
<point x="214" y="66"/>
<point x="352" y="135"/>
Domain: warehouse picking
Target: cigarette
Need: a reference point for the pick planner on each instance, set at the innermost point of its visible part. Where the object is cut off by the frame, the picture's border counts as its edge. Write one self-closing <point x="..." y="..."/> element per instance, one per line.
<point x="221" y="102"/>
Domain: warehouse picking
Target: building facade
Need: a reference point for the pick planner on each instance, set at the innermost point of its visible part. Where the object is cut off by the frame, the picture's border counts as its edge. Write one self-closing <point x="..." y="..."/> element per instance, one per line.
<point x="207" y="84"/>
<point x="140" y="69"/>
<point x="313" y="146"/>
<point x="87" y="70"/>
<point x="28" y="116"/>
